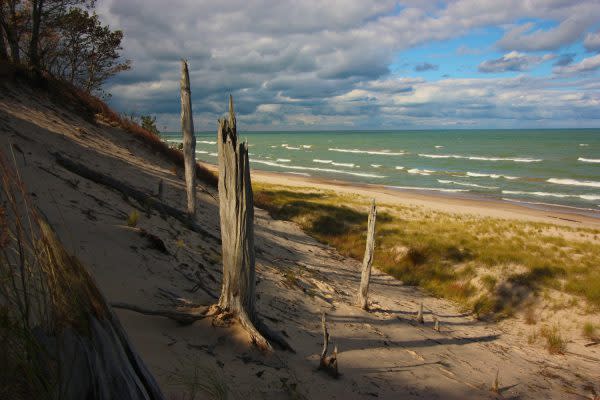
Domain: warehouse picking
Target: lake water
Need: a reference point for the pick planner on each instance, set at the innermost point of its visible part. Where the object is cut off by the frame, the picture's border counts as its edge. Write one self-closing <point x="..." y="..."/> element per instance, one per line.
<point x="539" y="167"/>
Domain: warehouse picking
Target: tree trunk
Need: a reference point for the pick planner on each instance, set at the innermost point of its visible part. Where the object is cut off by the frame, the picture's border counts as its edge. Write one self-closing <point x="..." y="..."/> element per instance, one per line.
<point x="36" y="16"/>
<point x="9" y="23"/>
<point x="189" y="140"/>
<point x="363" y="292"/>
<point x="236" y="207"/>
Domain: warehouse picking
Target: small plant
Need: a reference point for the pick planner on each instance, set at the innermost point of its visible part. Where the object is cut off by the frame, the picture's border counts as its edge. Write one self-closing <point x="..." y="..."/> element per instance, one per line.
<point x="132" y="218"/>
<point x="590" y="331"/>
<point x="555" y="343"/>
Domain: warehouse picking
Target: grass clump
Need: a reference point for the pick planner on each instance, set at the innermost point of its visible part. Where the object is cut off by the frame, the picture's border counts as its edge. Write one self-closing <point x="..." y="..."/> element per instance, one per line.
<point x="591" y="332"/>
<point x="132" y="218"/>
<point x="555" y="343"/>
<point x="491" y="266"/>
<point x="194" y="380"/>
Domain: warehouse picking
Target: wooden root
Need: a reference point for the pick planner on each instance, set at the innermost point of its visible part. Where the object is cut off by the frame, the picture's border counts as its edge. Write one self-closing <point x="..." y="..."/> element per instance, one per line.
<point x="183" y="318"/>
<point x="328" y="364"/>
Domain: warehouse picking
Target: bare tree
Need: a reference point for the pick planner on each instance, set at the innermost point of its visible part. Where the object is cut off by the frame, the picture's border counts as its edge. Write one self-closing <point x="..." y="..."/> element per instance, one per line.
<point x="189" y="140"/>
<point x="365" y="277"/>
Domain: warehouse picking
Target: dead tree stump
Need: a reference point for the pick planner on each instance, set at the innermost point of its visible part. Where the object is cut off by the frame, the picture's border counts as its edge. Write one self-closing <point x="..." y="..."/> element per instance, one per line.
<point x="328" y="364"/>
<point x="420" y="318"/>
<point x="236" y="207"/>
<point x="189" y="140"/>
<point x="365" y="277"/>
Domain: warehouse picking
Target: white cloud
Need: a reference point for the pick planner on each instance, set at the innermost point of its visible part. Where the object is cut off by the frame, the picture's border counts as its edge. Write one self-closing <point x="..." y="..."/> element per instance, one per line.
<point x="513" y="61"/>
<point x="592" y="41"/>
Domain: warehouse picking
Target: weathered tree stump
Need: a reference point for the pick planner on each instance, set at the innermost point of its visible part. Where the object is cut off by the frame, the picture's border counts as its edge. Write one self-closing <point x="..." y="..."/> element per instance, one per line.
<point x="365" y="277"/>
<point x="436" y="324"/>
<point x="189" y="140"/>
<point x="420" y="318"/>
<point x="236" y="208"/>
<point x="328" y="364"/>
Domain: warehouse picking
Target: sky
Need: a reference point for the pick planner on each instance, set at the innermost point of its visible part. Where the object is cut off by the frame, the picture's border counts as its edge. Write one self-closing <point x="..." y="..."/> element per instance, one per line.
<point x="359" y="64"/>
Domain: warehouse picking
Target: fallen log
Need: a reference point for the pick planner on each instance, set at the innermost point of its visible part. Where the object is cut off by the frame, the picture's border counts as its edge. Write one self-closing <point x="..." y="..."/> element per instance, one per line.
<point x="129" y="191"/>
<point x="183" y="318"/>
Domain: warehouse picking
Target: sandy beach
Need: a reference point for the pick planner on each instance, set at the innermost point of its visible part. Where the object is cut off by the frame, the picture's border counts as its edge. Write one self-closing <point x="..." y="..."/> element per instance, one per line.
<point x="445" y="202"/>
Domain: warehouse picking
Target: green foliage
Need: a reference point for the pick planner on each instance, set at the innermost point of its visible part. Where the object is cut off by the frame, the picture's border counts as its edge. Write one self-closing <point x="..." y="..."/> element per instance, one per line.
<point x="149" y="124"/>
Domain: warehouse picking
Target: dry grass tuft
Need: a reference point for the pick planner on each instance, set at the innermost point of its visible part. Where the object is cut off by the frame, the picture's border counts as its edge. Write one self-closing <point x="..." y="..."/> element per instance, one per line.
<point x="555" y="343"/>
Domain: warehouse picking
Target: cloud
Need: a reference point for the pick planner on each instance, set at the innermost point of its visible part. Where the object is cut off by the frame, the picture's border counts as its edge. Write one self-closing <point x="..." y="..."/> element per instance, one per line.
<point x="425" y="66"/>
<point x="592" y="41"/>
<point x="564" y="59"/>
<point x="588" y="64"/>
<point x="277" y="67"/>
<point x="513" y="61"/>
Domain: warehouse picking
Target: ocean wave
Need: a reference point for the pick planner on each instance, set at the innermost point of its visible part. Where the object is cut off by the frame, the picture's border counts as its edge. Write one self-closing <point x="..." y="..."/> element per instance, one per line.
<point x="322" y="161"/>
<point x="376" y="152"/>
<point x="306" y="146"/>
<point x="480" y="158"/>
<point x="341" y="164"/>
<point x="466" y="184"/>
<point x="206" y="142"/>
<point x="283" y="160"/>
<point x="375" y="165"/>
<point x="559" y="195"/>
<point x="290" y="147"/>
<point x="439" y="147"/>
<point x="493" y="176"/>
<point x="549" y="204"/>
<point x="331" y="170"/>
<point x="573" y="182"/>
<point x="583" y="144"/>
<point x="589" y="160"/>
<point x="213" y="154"/>
<point x="297" y="173"/>
<point x="399" y="167"/>
<point x="201" y="152"/>
<point x="428" y="188"/>
<point x="420" y="171"/>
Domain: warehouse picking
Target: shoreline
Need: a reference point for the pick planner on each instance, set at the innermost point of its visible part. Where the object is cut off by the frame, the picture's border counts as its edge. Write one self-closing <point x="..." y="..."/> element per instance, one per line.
<point x="457" y="203"/>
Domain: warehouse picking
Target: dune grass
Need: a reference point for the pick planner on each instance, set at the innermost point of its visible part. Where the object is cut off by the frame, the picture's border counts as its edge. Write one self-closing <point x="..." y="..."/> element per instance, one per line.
<point x="490" y="266"/>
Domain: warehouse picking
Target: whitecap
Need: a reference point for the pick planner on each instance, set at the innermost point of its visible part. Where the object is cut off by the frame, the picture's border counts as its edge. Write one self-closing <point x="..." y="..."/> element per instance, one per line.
<point x="493" y="176"/>
<point x="334" y="171"/>
<point x="466" y="184"/>
<point x="375" y="165"/>
<point x="420" y="171"/>
<point x="481" y="158"/>
<point x="307" y="146"/>
<point x="428" y="188"/>
<point x="399" y="167"/>
<point x="297" y="173"/>
<point x="201" y="152"/>
<point x="206" y="142"/>
<point x="439" y="147"/>
<point x="560" y="195"/>
<point x="340" y="164"/>
<point x="589" y="160"/>
<point x="583" y="144"/>
<point x="372" y="152"/>
<point x="573" y="182"/>
<point x="322" y="161"/>
<point x="213" y="154"/>
<point x="283" y="160"/>
<point x="291" y="147"/>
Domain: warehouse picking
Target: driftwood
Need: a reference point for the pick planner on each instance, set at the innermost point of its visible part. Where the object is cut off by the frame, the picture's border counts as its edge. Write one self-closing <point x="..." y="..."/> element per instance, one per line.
<point x="102" y="363"/>
<point x="129" y="191"/>
<point x="365" y="277"/>
<point x="236" y="209"/>
<point x="183" y="318"/>
<point x="189" y="140"/>
<point x="328" y="364"/>
<point x="436" y="324"/>
<point x="420" y="318"/>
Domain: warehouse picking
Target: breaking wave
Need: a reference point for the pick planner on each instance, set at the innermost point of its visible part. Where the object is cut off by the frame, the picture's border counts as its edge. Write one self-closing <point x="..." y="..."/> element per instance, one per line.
<point x="428" y="188"/>
<point x="574" y="182"/>
<point x="589" y="160"/>
<point x="466" y="184"/>
<point x="493" y="176"/>
<point x="331" y="170"/>
<point x="559" y="195"/>
<point x="378" y="152"/>
<point x="480" y="158"/>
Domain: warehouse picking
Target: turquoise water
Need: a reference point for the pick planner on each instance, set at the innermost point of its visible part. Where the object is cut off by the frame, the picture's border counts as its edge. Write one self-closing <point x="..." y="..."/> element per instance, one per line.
<point x="538" y="167"/>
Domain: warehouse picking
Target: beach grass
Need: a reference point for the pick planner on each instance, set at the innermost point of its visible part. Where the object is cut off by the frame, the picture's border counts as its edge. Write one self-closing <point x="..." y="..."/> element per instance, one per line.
<point x="492" y="266"/>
